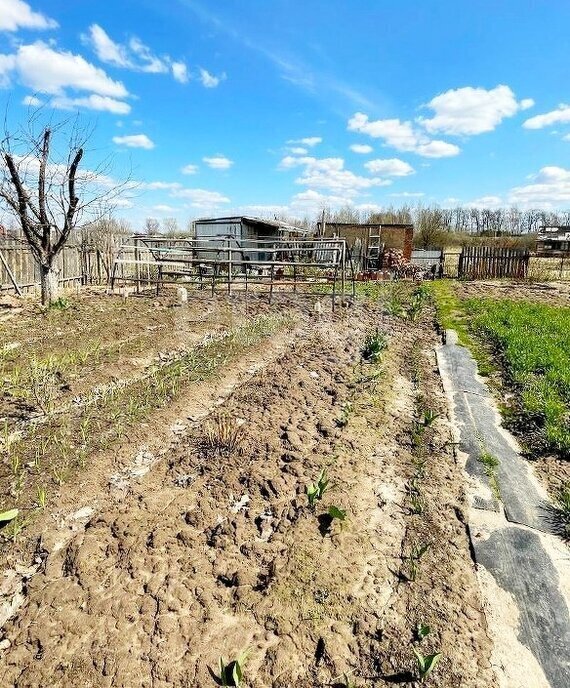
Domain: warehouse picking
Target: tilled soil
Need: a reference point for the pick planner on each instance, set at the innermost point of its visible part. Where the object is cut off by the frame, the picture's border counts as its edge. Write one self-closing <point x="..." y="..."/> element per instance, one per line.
<point x="215" y="551"/>
<point x="550" y="293"/>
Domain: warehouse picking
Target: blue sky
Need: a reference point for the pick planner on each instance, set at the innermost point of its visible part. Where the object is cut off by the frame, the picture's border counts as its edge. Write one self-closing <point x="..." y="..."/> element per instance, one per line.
<point x="281" y="106"/>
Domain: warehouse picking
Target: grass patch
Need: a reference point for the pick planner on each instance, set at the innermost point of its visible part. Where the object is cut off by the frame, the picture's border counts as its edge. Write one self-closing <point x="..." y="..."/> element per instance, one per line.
<point x="490" y="465"/>
<point x="533" y="343"/>
<point x="452" y="314"/>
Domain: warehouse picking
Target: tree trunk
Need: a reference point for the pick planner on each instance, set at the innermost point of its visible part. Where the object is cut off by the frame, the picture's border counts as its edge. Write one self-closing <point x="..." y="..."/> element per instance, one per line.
<point x="49" y="280"/>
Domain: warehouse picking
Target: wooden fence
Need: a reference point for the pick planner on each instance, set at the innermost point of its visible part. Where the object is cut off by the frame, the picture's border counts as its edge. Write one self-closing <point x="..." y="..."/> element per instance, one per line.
<point x="76" y="267"/>
<point x="489" y="262"/>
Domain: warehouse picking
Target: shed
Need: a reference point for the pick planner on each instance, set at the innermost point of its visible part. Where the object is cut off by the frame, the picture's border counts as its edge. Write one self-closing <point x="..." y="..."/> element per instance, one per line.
<point x="243" y="230"/>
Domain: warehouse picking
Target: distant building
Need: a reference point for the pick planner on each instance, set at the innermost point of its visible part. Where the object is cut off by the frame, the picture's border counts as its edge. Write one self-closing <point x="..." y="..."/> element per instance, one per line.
<point x="553" y="241"/>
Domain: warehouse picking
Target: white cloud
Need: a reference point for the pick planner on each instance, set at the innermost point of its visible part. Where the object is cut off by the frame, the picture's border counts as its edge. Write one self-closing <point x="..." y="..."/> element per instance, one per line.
<point x="92" y="102"/>
<point x="526" y="103"/>
<point x="559" y="116"/>
<point x="550" y="189"/>
<point x="469" y="111"/>
<point x="309" y="141"/>
<point x="189" y="169"/>
<point x="438" y="149"/>
<point x="134" y="55"/>
<point x="45" y="70"/>
<point x="16" y="14"/>
<point x="180" y="72"/>
<point x="164" y="208"/>
<point x="391" y="167"/>
<point x="105" y="48"/>
<point x="264" y="210"/>
<point x="134" y="141"/>
<point x="148" y="61"/>
<point x="160" y="186"/>
<point x="209" y="80"/>
<point x="201" y="198"/>
<point x="330" y="174"/>
<point x="297" y="150"/>
<point x="402" y="136"/>
<point x="361" y="148"/>
<point x="32" y="101"/>
<point x="408" y="194"/>
<point x="310" y="202"/>
<point x="7" y="65"/>
<point x="218" y="162"/>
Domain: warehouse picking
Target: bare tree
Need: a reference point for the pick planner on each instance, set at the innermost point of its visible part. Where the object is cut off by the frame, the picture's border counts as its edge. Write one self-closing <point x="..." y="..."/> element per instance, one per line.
<point x="46" y="191"/>
<point x="103" y="237"/>
<point x="170" y="227"/>
<point x="151" y="226"/>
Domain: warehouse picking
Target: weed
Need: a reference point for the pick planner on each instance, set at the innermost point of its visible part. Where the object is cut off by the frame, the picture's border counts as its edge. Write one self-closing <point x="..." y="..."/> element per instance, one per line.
<point x="41" y="497"/>
<point x="60" y="304"/>
<point x="394" y="307"/>
<point x="316" y="491"/>
<point x="231" y="674"/>
<point x="414" y="558"/>
<point x="225" y="435"/>
<point x="490" y="464"/>
<point x="42" y="383"/>
<point x="417" y="434"/>
<point x="429" y="418"/>
<point x="426" y="663"/>
<point x="374" y="345"/>
<point x="15" y="525"/>
<point x="417" y="500"/>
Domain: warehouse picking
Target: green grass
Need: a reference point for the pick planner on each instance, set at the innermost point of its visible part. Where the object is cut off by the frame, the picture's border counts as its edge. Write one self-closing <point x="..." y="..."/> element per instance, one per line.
<point x="532" y="342"/>
<point x="490" y="465"/>
<point x="451" y="315"/>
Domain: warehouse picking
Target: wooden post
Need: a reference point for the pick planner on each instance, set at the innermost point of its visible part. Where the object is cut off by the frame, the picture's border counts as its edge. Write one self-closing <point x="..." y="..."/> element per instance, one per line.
<point x="10" y="274"/>
<point x="342" y="268"/>
<point x="137" y="266"/>
<point x="229" y="266"/>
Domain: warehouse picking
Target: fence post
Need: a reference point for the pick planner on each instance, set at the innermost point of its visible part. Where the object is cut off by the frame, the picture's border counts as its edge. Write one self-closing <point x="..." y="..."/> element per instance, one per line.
<point x="137" y="266"/>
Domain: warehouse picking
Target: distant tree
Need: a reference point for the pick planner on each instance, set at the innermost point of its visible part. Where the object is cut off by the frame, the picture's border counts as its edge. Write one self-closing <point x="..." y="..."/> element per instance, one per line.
<point x="170" y="227"/>
<point x="104" y="236"/>
<point x="44" y="187"/>
<point x="151" y="226"/>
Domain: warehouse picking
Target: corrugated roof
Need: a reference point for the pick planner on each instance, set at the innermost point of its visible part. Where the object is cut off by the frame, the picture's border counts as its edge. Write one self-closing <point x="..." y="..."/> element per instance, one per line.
<point x="250" y="219"/>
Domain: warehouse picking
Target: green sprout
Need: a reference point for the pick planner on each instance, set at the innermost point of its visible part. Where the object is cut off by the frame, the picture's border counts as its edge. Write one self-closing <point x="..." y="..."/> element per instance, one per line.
<point x="231" y="674"/>
<point x="374" y="345"/>
<point x="316" y="491"/>
<point x="426" y="664"/>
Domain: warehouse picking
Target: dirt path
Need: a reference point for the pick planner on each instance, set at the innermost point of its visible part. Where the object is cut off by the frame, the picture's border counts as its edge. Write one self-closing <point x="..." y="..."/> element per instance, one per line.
<point x="192" y="552"/>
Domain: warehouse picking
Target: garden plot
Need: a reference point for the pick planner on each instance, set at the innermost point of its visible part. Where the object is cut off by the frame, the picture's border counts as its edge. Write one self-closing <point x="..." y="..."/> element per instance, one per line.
<point x="520" y="336"/>
<point x="293" y="508"/>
